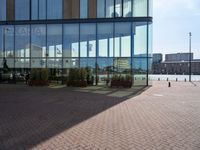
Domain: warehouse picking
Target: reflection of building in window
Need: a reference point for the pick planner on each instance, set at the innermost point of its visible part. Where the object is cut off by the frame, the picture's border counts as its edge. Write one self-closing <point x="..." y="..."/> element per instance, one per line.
<point x="121" y="63"/>
<point x="36" y="51"/>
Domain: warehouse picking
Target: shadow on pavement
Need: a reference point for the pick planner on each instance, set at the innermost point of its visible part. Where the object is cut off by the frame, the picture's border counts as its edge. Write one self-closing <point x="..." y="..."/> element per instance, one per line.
<point x="32" y="115"/>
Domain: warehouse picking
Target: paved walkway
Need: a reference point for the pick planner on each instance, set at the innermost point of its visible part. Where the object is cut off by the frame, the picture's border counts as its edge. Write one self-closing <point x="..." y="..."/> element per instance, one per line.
<point x="160" y="118"/>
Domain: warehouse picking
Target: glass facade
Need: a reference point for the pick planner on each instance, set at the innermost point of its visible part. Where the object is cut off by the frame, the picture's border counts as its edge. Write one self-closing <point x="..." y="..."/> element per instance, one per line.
<point x="122" y="45"/>
<point x="22" y="9"/>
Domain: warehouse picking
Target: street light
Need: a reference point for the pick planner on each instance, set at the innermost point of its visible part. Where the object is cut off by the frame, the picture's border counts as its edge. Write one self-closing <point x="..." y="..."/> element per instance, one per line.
<point x="190" y="54"/>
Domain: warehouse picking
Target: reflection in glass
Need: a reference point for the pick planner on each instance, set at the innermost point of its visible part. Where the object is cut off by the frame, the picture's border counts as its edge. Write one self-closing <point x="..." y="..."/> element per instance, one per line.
<point x="38" y="63"/>
<point x="22" y="63"/>
<point x="100" y="8"/>
<point x="122" y="39"/>
<point x="118" y="8"/>
<point x="54" y="9"/>
<point x="38" y="9"/>
<point x="70" y="40"/>
<point x="2" y="10"/>
<point x="83" y="8"/>
<point x="104" y="33"/>
<point x="38" y="41"/>
<point x="109" y="8"/>
<point x="127" y="8"/>
<point x="54" y="40"/>
<point x="140" y="8"/>
<point x="22" y="9"/>
<point x="9" y="41"/>
<point x="140" y="39"/>
<point x="140" y="71"/>
<point x="70" y="63"/>
<point x="87" y="40"/>
<point x="22" y="41"/>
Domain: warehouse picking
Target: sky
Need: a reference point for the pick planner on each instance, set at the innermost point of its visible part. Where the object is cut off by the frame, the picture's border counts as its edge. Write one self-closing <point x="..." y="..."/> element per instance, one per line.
<point x="172" y="22"/>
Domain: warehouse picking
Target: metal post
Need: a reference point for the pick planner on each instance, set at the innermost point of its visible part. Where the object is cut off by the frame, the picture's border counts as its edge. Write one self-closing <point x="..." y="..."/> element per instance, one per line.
<point x="190" y="59"/>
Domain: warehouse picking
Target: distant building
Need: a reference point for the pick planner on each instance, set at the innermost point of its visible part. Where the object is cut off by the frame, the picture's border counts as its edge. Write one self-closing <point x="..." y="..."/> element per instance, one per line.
<point x="177" y="67"/>
<point x="175" y="64"/>
<point x="178" y="57"/>
<point x="157" y="58"/>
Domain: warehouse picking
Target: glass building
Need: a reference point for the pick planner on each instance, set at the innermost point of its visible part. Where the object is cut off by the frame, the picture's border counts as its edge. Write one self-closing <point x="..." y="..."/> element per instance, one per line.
<point x="108" y="36"/>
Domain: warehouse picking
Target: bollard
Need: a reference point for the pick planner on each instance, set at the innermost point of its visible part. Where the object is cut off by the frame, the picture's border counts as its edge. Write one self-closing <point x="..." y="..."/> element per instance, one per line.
<point x="169" y="84"/>
<point x="158" y="79"/>
<point x="185" y="80"/>
<point x="167" y="79"/>
<point x="176" y="79"/>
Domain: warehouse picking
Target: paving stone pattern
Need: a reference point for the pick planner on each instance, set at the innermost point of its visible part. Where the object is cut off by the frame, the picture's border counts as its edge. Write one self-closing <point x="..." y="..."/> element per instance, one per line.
<point x="160" y="118"/>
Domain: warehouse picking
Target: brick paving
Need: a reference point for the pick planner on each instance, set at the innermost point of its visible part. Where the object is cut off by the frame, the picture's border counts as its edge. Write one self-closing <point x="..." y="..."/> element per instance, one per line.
<point x="160" y="118"/>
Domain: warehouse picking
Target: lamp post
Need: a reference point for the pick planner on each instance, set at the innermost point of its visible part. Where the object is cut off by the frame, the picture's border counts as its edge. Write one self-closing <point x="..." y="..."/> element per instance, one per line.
<point x="190" y="54"/>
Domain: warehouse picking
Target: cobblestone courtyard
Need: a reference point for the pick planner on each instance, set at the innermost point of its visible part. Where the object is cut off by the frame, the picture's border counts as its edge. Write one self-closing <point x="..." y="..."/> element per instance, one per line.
<point x="160" y="118"/>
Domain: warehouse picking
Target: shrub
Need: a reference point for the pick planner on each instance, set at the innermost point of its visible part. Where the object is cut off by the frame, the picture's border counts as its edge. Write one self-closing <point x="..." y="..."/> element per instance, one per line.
<point x="44" y="74"/>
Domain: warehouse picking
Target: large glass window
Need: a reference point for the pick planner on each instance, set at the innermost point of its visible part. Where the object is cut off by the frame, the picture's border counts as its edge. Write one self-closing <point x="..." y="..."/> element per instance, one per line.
<point x="34" y="9"/>
<point x="38" y="63"/>
<point x="54" y="9"/>
<point x="100" y="8"/>
<point x="22" y="9"/>
<point x="22" y="41"/>
<point x="150" y="39"/>
<point x="87" y="40"/>
<point x="2" y="10"/>
<point x="38" y="8"/>
<point x="1" y="41"/>
<point x="122" y="40"/>
<point x="140" y="71"/>
<point x="105" y="35"/>
<point x="54" y="40"/>
<point x="71" y="40"/>
<point x="109" y="8"/>
<point x="127" y="8"/>
<point x="9" y="41"/>
<point x="139" y="8"/>
<point x="140" y="39"/>
<point x="118" y="8"/>
<point x="83" y="8"/>
<point x="38" y="41"/>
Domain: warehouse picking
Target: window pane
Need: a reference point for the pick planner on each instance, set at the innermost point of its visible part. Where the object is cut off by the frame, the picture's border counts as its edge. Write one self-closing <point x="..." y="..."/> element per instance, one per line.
<point x="9" y="41"/>
<point x="1" y="41"/>
<point x="118" y="8"/>
<point x="22" y="41"/>
<point x="38" y="63"/>
<point x="34" y="9"/>
<point x="139" y="8"/>
<point x="123" y="39"/>
<point x="105" y="32"/>
<point x="109" y="8"/>
<point x="22" y="63"/>
<point x="38" y="41"/>
<point x="87" y="40"/>
<point x="150" y="40"/>
<point x="2" y="10"/>
<point x="71" y="40"/>
<point x="140" y="71"/>
<point x="22" y="9"/>
<point x="54" y="40"/>
<point x="54" y="9"/>
<point x="127" y="8"/>
<point x="83" y="8"/>
<point x="100" y="8"/>
<point x="42" y="9"/>
<point x="70" y="63"/>
<point x="140" y="39"/>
